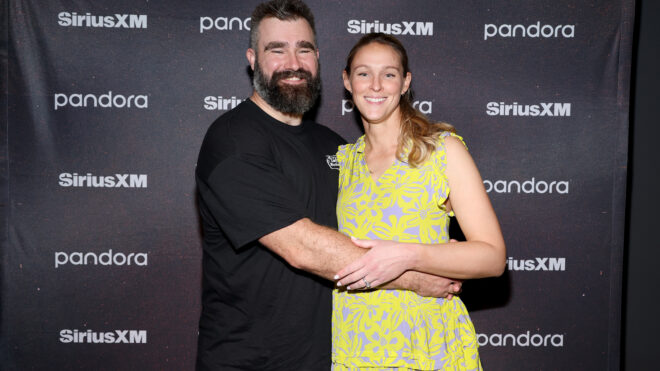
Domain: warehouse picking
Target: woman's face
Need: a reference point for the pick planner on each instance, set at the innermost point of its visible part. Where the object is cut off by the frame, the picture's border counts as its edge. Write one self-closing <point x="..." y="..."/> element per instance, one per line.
<point x="377" y="82"/>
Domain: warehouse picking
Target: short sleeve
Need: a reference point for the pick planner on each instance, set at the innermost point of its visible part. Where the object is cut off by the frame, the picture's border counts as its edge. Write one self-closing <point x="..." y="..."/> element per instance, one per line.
<point x="243" y="192"/>
<point x="248" y="197"/>
<point x="439" y="159"/>
<point x="342" y="155"/>
<point x="450" y="134"/>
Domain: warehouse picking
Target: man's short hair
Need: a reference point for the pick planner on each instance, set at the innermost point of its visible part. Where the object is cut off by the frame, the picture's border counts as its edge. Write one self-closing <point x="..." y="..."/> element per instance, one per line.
<point x="284" y="10"/>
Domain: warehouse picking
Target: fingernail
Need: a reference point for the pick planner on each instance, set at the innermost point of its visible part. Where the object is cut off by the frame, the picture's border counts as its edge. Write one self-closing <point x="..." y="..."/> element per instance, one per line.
<point x="335" y="277"/>
<point x="338" y="283"/>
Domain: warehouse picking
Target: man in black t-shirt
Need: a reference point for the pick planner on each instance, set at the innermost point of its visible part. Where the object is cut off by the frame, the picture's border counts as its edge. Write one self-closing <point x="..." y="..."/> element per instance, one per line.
<point x="267" y="183"/>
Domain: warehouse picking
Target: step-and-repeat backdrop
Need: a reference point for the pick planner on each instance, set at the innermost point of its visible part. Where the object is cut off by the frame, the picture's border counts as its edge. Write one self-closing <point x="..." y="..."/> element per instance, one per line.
<point x="107" y="102"/>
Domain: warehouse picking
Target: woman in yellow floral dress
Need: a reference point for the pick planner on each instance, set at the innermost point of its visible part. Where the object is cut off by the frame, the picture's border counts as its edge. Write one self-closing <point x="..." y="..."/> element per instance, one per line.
<point x="398" y="185"/>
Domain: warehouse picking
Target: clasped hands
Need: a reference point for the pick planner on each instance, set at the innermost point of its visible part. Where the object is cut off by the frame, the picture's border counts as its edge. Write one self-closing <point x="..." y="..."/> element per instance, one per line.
<point x="384" y="262"/>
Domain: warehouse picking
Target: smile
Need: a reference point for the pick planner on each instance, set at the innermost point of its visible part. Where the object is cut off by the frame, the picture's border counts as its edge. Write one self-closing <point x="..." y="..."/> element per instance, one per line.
<point x="293" y="80"/>
<point x="374" y="100"/>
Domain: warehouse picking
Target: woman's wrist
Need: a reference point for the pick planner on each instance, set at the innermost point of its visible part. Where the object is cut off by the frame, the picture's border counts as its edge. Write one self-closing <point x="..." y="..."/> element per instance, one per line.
<point x="413" y="255"/>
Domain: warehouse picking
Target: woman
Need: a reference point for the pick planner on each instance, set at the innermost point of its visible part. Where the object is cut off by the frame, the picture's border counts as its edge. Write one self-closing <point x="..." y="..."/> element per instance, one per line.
<point x="398" y="185"/>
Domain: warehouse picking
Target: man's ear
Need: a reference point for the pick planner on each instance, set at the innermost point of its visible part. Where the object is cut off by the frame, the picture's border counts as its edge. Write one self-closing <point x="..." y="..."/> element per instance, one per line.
<point x="251" y="57"/>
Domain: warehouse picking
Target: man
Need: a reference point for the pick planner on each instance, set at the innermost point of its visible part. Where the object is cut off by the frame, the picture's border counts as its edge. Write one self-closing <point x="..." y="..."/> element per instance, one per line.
<point x="267" y="194"/>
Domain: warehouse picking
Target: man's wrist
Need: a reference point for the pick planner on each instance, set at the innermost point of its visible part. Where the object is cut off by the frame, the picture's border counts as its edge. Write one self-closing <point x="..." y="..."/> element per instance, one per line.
<point x="407" y="281"/>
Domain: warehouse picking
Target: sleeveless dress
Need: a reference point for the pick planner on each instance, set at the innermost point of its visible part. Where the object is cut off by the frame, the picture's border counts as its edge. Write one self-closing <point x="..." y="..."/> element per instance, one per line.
<point x="397" y="329"/>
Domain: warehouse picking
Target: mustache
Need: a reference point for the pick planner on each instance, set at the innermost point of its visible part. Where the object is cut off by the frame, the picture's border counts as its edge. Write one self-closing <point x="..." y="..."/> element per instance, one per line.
<point x="300" y="73"/>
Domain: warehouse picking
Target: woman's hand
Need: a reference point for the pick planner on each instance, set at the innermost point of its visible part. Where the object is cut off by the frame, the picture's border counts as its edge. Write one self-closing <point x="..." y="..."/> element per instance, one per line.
<point x="385" y="261"/>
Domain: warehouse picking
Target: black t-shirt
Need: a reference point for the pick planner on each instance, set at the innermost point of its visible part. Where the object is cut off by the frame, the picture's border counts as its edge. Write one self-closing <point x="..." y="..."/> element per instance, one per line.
<point x="256" y="175"/>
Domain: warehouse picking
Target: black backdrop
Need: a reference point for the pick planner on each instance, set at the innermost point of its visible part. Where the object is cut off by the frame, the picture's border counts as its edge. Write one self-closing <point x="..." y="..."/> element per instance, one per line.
<point x="641" y="299"/>
<point x="103" y="125"/>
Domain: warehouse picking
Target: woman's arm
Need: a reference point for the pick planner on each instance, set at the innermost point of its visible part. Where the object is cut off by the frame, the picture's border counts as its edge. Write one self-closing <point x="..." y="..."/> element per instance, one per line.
<point x="483" y="254"/>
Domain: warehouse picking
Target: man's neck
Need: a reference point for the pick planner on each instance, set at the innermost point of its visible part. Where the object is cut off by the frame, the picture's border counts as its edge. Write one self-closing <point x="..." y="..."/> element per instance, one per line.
<point x="289" y="119"/>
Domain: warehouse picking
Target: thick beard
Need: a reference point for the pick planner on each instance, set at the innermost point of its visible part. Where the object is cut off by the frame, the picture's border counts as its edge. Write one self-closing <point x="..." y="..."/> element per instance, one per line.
<point x="285" y="98"/>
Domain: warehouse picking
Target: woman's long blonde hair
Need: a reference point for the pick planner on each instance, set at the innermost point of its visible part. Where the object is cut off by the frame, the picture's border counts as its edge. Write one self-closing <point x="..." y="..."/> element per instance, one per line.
<point x="419" y="136"/>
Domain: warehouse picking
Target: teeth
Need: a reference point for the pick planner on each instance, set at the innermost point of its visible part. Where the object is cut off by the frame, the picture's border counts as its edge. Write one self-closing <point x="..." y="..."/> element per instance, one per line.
<point x="293" y="78"/>
<point x="375" y="100"/>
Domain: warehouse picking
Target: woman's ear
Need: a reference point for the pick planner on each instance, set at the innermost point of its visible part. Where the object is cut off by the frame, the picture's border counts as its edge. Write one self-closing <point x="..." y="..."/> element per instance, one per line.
<point x="347" y="81"/>
<point x="406" y="83"/>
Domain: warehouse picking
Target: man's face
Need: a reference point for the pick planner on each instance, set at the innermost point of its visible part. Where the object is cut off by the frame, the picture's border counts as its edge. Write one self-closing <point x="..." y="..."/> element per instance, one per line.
<point x="286" y="68"/>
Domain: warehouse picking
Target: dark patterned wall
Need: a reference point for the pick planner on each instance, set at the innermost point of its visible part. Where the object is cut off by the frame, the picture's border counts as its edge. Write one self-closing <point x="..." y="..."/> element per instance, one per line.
<point x="108" y="102"/>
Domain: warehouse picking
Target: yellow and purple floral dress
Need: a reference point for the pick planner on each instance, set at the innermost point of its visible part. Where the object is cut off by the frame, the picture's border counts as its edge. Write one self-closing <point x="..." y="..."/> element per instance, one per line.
<point x="397" y="329"/>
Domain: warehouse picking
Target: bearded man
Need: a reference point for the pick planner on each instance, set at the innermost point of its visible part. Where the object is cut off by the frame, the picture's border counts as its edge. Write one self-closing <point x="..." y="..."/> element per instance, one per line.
<point x="267" y="188"/>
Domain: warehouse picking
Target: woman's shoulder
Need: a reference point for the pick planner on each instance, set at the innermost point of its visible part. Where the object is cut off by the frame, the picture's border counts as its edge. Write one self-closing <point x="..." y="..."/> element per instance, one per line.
<point x="448" y="136"/>
<point x="448" y="139"/>
<point x="349" y="149"/>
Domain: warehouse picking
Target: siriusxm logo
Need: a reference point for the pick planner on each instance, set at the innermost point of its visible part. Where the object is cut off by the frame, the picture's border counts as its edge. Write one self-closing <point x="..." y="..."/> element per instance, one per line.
<point x="111" y="337"/>
<point x="527" y="186"/>
<point x="221" y="104"/>
<point x="108" y="100"/>
<point x="533" y="110"/>
<point x="525" y="339"/>
<point x="404" y="28"/>
<point x="534" y="31"/>
<point x="74" y="19"/>
<point x="224" y="24"/>
<point x="424" y="106"/>
<point x="105" y="258"/>
<point x="536" y="264"/>
<point x="99" y="181"/>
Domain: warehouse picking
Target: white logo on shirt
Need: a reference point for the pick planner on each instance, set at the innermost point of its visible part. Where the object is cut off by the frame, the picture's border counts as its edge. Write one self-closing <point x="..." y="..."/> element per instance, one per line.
<point x="332" y="161"/>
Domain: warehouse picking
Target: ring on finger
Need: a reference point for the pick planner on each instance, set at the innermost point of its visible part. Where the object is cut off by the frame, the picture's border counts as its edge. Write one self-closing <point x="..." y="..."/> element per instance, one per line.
<point x="367" y="285"/>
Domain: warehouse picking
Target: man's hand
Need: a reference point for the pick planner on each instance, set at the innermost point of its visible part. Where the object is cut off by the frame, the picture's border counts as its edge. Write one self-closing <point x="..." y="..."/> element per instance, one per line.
<point x="323" y="251"/>
<point x="441" y="287"/>
<point x="435" y="286"/>
<point x="387" y="260"/>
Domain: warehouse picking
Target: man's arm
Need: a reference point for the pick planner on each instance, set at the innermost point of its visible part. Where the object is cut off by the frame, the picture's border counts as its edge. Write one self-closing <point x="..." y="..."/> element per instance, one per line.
<point x="251" y="198"/>
<point x="324" y="251"/>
